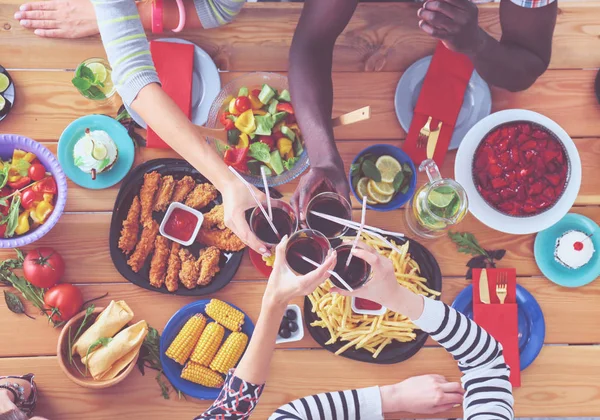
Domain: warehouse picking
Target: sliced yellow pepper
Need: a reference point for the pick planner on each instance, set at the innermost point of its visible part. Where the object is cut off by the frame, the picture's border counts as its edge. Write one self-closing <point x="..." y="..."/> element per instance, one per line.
<point x="259" y="112"/>
<point x="255" y="102"/>
<point x="43" y="209"/>
<point x="232" y="109"/>
<point x="245" y="122"/>
<point x="23" y="223"/>
<point x="284" y="145"/>
<point x="23" y="155"/>
<point x="244" y="141"/>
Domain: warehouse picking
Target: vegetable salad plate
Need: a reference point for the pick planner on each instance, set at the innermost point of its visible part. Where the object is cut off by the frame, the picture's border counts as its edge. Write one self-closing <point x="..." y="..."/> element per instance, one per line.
<point x="206" y="84"/>
<point x="172" y="369"/>
<point x="7" y="93"/>
<point x="477" y="102"/>
<point x="532" y="327"/>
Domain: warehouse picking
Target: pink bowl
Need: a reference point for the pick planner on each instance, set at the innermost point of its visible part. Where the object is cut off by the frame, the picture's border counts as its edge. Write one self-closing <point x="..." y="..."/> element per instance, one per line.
<point x="9" y="142"/>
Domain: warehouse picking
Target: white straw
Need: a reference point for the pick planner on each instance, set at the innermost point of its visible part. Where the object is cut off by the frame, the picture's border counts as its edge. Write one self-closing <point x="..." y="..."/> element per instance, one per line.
<point x="355" y="225"/>
<point x="260" y="206"/>
<point x="360" y="229"/>
<point x="333" y="273"/>
<point x="267" y="192"/>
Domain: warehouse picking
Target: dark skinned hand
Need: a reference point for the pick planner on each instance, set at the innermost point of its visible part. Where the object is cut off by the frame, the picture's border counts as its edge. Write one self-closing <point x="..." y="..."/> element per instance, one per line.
<point x="454" y="22"/>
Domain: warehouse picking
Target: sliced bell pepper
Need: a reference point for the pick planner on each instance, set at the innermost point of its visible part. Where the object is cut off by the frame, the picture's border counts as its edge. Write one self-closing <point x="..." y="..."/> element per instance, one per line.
<point x="268" y="140"/>
<point x="244" y="141"/>
<point x="285" y="148"/>
<point x="23" y="223"/>
<point x="285" y="107"/>
<point x="246" y="122"/>
<point x="237" y="158"/>
<point x="255" y="102"/>
<point x="259" y="112"/>
<point x="43" y="210"/>
<point x="18" y="182"/>
<point x="23" y="155"/>
<point x="2" y="230"/>
<point x="232" y="109"/>
<point x="226" y="122"/>
<point x="46" y="185"/>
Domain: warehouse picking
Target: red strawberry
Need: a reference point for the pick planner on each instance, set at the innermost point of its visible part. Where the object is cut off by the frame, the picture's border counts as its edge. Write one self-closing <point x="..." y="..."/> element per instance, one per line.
<point x="539" y="134"/>
<point x="529" y="207"/>
<point x="506" y="206"/>
<point x="549" y="193"/>
<point x="554" y="179"/>
<point x="548" y="155"/>
<point x="507" y="193"/>
<point x="528" y="145"/>
<point x="498" y="183"/>
<point x="495" y="171"/>
<point x="514" y="154"/>
<point x="536" y="188"/>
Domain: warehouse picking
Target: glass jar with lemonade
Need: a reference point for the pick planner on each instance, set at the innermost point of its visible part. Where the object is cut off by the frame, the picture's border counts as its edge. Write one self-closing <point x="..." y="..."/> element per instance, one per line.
<point x="93" y="79"/>
<point x="437" y="205"/>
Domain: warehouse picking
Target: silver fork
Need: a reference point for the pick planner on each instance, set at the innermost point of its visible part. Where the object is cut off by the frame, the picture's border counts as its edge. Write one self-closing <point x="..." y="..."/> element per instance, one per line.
<point x="424" y="134"/>
<point x="501" y="286"/>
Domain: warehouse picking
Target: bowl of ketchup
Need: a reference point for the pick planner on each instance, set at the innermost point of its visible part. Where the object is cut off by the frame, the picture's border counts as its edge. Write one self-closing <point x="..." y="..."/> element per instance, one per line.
<point x="181" y="224"/>
<point x="367" y="307"/>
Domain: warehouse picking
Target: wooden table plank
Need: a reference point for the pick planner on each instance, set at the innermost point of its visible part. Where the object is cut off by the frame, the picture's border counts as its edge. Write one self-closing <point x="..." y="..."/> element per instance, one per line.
<point x="380" y="37"/>
<point x="577" y="307"/>
<point x="562" y="382"/>
<point x="47" y="102"/>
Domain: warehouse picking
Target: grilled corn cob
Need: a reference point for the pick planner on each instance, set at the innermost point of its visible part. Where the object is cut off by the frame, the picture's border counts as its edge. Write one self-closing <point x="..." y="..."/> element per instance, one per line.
<point x="230" y="352"/>
<point x="183" y="345"/>
<point x="208" y="344"/>
<point x="202" y="375"/>
<point x="226" y="315"/>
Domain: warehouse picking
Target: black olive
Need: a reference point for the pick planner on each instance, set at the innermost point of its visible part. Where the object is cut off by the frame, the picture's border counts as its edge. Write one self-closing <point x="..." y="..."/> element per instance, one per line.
<point x="284" y="333"/>
<point x="293" y="326"/>
<point x="291" y="314"/>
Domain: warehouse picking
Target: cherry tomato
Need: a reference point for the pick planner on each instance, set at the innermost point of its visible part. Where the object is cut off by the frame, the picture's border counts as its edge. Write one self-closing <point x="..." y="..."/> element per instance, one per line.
<point x="242" y="103"/>
<point x="37" y="172"/>
<point x="285" y="107"/>
<point x="47" y="185"/>
<point x="63" y="302"/>
<point x="268" y="140"/>
<point x="28" y="198"/>
<point x="43" y="267"/>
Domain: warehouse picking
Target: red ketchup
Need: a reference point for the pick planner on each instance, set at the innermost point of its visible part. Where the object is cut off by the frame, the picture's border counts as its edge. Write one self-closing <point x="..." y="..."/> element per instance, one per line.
<point x="181" y="224"/>
<point x="366" y="305"/>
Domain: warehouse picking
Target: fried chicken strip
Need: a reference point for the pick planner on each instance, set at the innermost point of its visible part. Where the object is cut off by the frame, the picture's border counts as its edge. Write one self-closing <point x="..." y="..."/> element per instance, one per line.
<point x="215" y="218"/>
<point x="208" y="265"/>
<point x="224" y="239"/>
<point x="131" y="227"/>
<point x="173" y="268"/>
<point x="163" y="197"/>
<point x="183" y="188"/>
<point x="144" y="247"/>
<point x="147" y="193"/>
<point x="189" y="269"/>
<point x="158" y="264"/>
<point x="202" y="196"/>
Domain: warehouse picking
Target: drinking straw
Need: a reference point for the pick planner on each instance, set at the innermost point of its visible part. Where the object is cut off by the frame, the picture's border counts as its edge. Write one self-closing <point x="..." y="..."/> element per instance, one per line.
<point x="354" y="225"/>
<point x="333" y="273"/>
<point x="267" y="192"/>
<point x="260" y="206"/>
<point x="360" y="229"/>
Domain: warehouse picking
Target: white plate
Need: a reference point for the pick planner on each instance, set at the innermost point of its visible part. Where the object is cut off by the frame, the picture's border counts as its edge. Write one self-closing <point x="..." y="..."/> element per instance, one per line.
<point x="299" y="333"/>
<point x="206" y="84"/>
<point x="477" y="102"/>
<point x="486" y="213"/>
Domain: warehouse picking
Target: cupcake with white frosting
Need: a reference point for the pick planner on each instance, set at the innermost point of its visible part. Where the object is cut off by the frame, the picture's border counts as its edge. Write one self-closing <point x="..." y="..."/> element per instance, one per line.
<point x="95" y="152"/>
<point x="574" y="249"/>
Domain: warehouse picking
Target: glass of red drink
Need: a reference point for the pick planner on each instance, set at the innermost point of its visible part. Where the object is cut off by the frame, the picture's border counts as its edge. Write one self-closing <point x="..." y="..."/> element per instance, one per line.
<point x="308" y="243"/>
<point x="331" y="204"/>
<point x="284" y="219"/>
<point x="356" y="274"/>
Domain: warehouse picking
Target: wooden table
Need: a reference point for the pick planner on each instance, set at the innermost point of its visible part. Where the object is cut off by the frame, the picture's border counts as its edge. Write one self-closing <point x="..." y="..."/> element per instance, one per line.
<point x="380" y="43"/>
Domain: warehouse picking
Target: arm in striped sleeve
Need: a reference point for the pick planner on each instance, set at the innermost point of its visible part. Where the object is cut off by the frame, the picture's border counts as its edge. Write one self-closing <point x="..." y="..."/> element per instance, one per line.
<point x="214" y="13"/>
<point x="486" y="376"/>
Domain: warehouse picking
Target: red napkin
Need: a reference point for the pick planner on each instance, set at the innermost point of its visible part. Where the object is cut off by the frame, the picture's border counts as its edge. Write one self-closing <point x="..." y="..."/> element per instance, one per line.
<point x="501" y="321"/>
<point x="441" y="97"/>
<point x="174" y="64"/>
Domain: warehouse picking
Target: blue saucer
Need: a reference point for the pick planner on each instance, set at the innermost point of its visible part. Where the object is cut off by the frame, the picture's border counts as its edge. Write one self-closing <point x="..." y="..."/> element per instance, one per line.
<point x="172" y="369"/>
<point x="545" y="242"/>
<point x="532" y="327"/>
<point x="116" y="131"/>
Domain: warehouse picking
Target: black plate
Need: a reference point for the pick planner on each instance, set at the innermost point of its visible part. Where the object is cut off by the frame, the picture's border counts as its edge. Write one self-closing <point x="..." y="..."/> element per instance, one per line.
<point x="395" y="352"/>
<point x="8" y="94"/>
<point x="230" y="261"/>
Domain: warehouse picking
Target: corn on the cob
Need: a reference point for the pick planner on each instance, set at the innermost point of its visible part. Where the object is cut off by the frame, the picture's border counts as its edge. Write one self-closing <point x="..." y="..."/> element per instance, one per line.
<point x="209" y="343"/>
<point x="230" y="352"/>
<point x="226" y="315"/>
<point x="202" y="375"/>
<point x="183" y="345"/>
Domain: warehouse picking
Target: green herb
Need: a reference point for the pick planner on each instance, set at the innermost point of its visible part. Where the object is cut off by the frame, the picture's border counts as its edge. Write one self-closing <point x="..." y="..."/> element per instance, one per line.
<point x="4" y="175"/>
<point x="71" y="340"/>
<point x="355" y="180"/>
<point x="354" y="168"/>
<point x="101" y="342"/>
<point x="123" y="115"/>
<point x="398" y="180"/>
<point x="467" y="243"/>
<point x="260" y="152"/>
<point x="105" y="162"/>
<point x="14" y="304"/>
<point x="78" y="161"/>
<point x="82" y="84"/>
<point x="289" y="163"/>
<point x="264" y="124"/>
<point x="371" y="171"/>
<point x="86" y="73"/>
<point x="21" y="166"/>
<point x="150" y="358"/>
<point x="12" y="220"/>
<point x="96" y="93"/>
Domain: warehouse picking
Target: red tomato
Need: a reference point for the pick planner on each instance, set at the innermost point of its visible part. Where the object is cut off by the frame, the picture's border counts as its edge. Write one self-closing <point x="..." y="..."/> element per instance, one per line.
<point x="237" y="158"/>
<point x="268" y="140"/>
<point x="226" y="122"/>
<point x="285" y="107"/>
<point x="28" y="198"/>
<point x="43" y="267"/>
<point x="242" y="103"/>
<point x="63" y="302"/>
<point x="47" y="185"/>
<point x="37" y="172"/>
<point x="21" y="183"/>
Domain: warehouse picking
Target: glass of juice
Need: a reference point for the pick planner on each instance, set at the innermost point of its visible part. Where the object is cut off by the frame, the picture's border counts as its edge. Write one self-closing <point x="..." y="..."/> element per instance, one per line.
<point x="356" y="274"/>
<point x="309" y="243"/>
<point x="284" y="220"/>
<point x="93" y="79"/>
<point x="437" y="205"/>
<point x="332" y="204"/>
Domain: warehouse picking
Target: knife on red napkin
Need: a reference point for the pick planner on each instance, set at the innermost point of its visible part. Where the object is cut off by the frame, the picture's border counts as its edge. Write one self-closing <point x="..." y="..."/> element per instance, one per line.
<point x="174" y="64"/>
<point x="441" y="98"/>
<point x="500" y="320"/>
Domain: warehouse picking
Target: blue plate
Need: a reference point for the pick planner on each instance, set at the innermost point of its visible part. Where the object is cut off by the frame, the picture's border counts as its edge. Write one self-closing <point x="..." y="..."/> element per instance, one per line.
<point x="532" y="327"/>
<point x="116" y="131"/>
<point x="172" y="369"/>
<point x="545" y="241"/>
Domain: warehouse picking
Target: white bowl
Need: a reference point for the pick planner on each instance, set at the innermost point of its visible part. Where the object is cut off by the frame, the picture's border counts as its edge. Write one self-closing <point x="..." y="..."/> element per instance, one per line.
<point x="176" y="205"/>
<point x="367" y="311"/>
<point x="489" y="215"/>
<point x="299" y="334"/>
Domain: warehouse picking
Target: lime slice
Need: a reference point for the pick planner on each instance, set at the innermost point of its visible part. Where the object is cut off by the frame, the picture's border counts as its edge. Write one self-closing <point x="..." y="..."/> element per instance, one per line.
<point x="439" y="198"/>
<point x="2" y="103"/>
<point x="100" y="72"/>
<point x="379" y="198"/>
<point x="99" y="151"/>
<point x="4" y="82"/>
<point x="361" y="190"/>
<point x="382" y="188"/>
<point x="389" y="167"/>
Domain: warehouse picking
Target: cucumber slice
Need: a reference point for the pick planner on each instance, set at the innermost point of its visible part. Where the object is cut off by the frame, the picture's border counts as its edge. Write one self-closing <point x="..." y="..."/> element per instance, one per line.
<point x="243" y="91"/>
<point x="273" y="106"/>
<point x="277" y="162"/>
<point x="284" y="96"/>
<point x="298" y="148"/>
<point x="266" y="94"/>
<point x="4" y="82"/>
<point x="288" y="132"/>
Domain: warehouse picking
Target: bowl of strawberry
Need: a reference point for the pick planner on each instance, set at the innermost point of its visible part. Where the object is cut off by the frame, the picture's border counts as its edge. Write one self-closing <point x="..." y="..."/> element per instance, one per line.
<point x="33" y="191"/>
<point x="521" y="171"/>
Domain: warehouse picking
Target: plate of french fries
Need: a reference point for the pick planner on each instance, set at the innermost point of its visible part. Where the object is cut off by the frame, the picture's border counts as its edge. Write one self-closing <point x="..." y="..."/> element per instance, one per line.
<point x="201" y="343"/>
<point x="383" y="339"/>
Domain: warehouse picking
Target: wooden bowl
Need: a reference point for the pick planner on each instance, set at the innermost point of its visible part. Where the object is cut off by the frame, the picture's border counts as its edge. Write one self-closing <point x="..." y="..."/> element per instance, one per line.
<point x="62" y="352"/>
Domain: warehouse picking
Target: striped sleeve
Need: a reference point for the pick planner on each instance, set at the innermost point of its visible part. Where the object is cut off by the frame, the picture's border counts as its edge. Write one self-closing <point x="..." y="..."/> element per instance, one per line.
<point x="488" y="392"/>
<point x="126" y="46"/>
<point x="214" y="13"/>
<point x="357" y="404"/>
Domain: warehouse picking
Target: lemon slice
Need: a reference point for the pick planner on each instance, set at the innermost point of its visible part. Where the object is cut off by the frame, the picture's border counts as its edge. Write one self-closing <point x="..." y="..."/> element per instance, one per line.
<point x="361" y="190"/>
<point x="379" y="198"/>
<point x="382" y="188"/>
<point x="99" y="151"/>
<point x="4" y="82"/>
<point x="389" y="167"/>
<point x="100" y="72"/>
